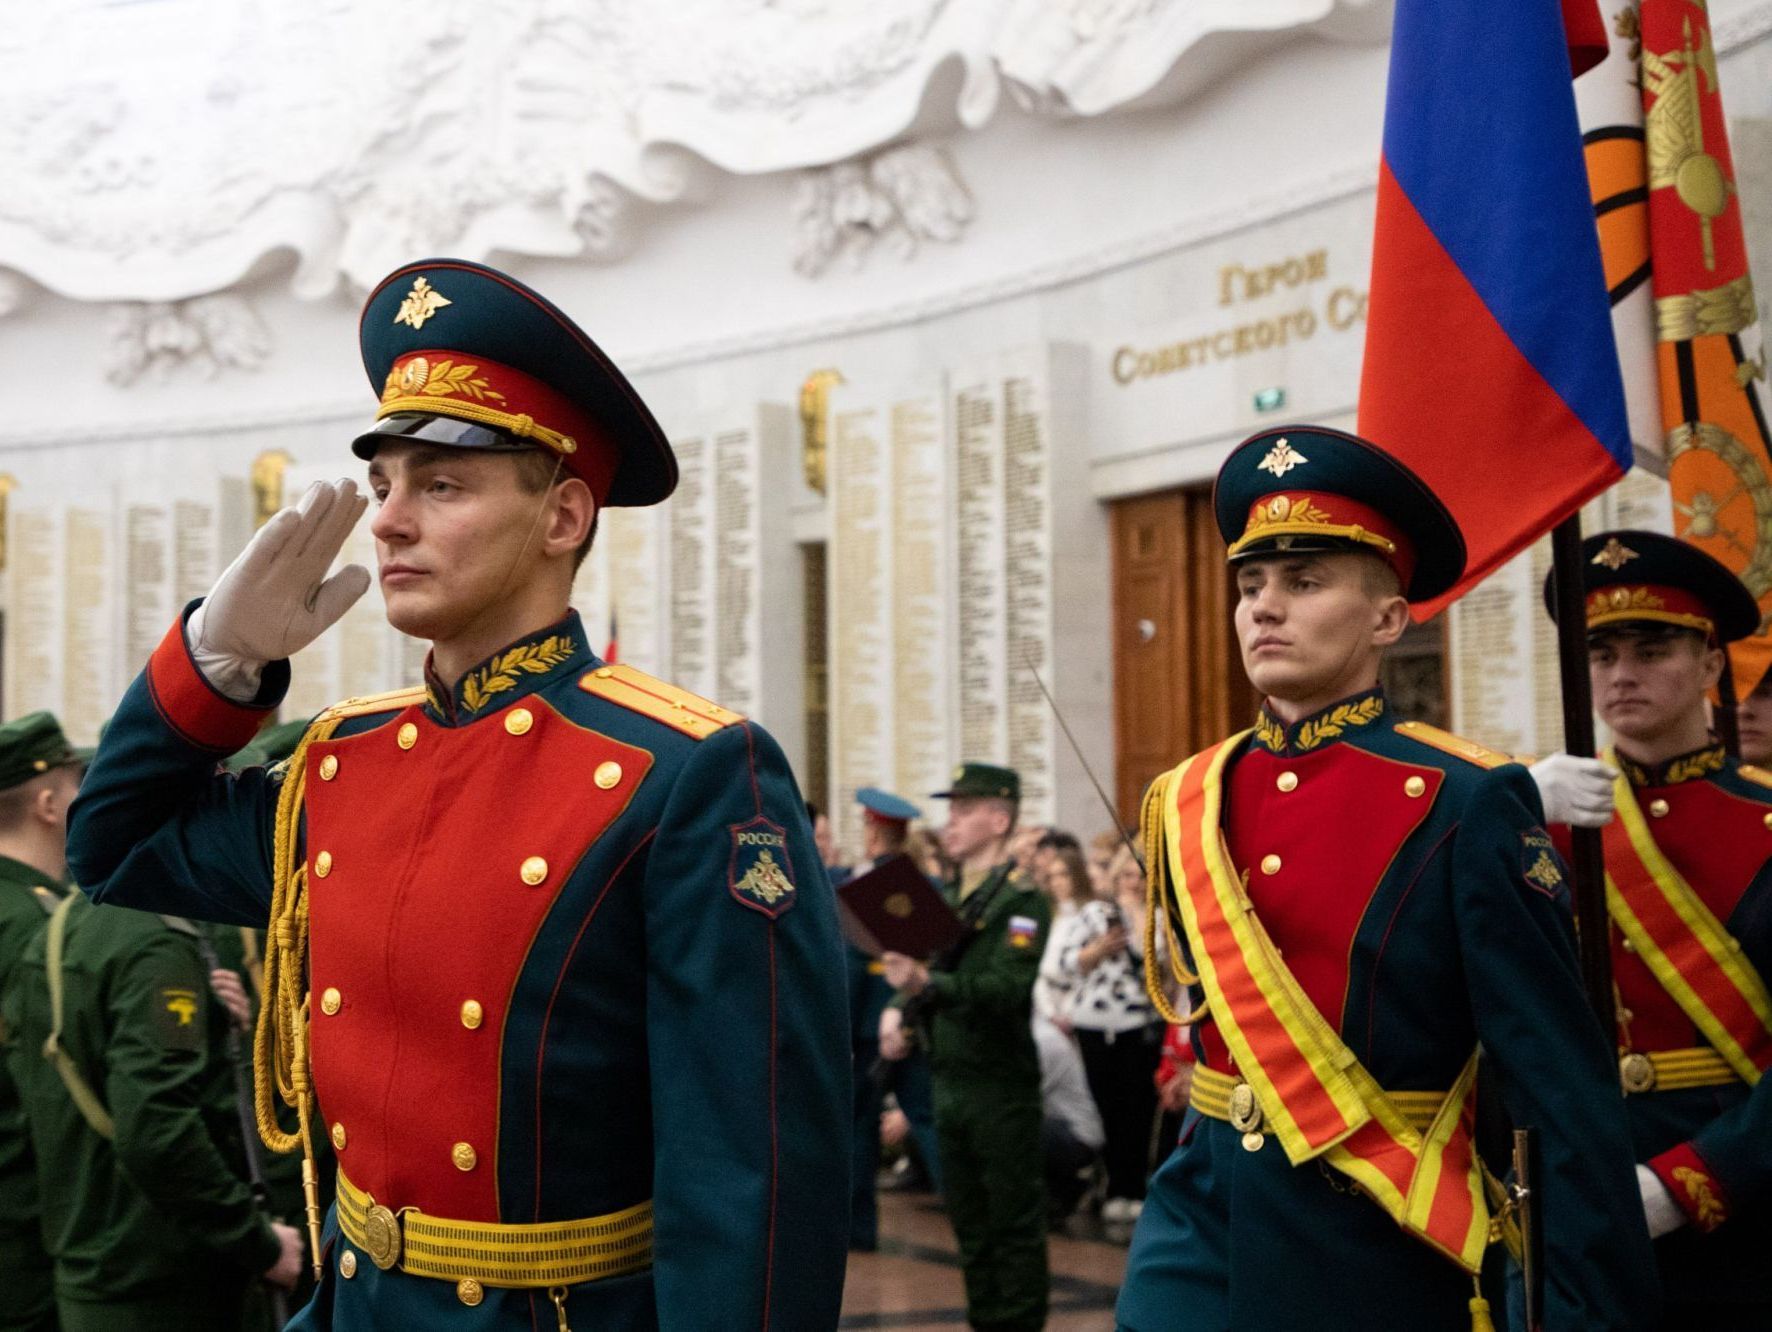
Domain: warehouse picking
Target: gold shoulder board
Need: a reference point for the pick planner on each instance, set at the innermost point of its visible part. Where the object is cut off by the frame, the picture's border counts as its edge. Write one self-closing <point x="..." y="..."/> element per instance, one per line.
<point x="1758" y="776"/>
<point x="640" y="692"/>
<point x="1468" y="750"/>
<point x="392" y="701"/>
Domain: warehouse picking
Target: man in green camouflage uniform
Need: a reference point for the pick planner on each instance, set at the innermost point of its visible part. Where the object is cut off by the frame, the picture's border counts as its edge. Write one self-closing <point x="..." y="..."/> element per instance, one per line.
<point x="39" y="774"/>
<point x="150" y="1224"/>
<point x="973" y="1006"/>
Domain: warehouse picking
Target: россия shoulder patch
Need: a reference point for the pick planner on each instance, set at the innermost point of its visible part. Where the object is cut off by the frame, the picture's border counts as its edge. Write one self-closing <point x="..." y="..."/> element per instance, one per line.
<point x="761" y="876"/>
<point x="1539" y="863"/>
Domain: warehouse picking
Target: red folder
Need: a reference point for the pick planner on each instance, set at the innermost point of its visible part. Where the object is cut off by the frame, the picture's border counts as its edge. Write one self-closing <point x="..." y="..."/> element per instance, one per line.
<point x="894" y="908"/>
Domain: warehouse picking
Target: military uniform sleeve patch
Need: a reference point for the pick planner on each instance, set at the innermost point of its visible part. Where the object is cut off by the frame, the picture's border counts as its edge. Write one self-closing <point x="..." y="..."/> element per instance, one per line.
<point x="1023" y="930"/>
<point x="761" y="875"/>
<point x="1540" y="865"/>
<point x="178" y="1017"/>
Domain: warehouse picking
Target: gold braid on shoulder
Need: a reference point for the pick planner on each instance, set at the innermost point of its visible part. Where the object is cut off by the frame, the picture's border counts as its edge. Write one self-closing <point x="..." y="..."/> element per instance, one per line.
<point x="280" y="1046"/>
<point x="1159" y="891"/>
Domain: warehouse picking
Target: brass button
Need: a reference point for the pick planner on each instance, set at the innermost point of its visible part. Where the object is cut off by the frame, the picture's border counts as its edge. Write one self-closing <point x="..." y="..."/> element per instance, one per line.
<point x="1629" y="945"/>
<point x="519" y="720"/>
<point x="347" y="1264"/>
<point x="323" y="864"/>
<point x="534" y="870"/>
<point x="1270" y="864"/>
<point x="604" y="672"/>
<point x="329" y="767"/>
<point x="407" y="736"/>
<point x="329" y="1001"/>
<point x="464" y="1156"/>
<point x="472" y="1014"/>
<point x="1415" y="786"/>
<point x="338" y="1137"/>
<point x="469" y="1291"/>
<point x="607" y="775"/>
<point x="1658" y="808"/>
<point x="1769" y="820"/>
<point x="1287" y="781"/>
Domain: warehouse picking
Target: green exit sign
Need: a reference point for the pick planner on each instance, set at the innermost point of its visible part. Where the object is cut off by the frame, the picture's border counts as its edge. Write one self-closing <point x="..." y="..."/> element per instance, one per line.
<point x="1270" y="399"/>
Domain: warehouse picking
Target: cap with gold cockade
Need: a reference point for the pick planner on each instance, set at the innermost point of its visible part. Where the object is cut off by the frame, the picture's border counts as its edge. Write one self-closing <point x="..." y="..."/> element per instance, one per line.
<point x="464" y="356"/>
<point x="1651" y="580"/>
<point x="1303" y="490"/>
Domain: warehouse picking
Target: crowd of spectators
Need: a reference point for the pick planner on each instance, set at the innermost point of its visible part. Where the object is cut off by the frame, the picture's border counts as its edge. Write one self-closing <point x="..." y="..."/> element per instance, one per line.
<point x="1115" y="1075"/>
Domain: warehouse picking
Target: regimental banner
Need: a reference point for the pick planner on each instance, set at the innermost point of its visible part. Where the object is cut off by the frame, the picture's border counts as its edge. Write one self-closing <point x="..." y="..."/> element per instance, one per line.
<point x="1706" y="321"/>
<point x="1663" y="184"/>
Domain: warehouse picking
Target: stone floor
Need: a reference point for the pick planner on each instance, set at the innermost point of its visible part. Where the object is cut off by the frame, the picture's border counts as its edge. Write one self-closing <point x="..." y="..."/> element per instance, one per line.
<point x="913" y="1283"/>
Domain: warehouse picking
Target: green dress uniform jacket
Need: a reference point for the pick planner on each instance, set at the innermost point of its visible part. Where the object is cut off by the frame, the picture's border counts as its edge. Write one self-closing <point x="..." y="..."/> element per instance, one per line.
<point x="158" y="1218"/>
<point x="27" y="1295"/>
<point x="976" y="1012"/>
<point x="573" y="964"/>
<point x="1403" y="877"/>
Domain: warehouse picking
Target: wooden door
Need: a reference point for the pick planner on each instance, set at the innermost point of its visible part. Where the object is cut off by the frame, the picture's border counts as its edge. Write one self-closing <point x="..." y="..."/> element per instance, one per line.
<point x="1178" y="677"/>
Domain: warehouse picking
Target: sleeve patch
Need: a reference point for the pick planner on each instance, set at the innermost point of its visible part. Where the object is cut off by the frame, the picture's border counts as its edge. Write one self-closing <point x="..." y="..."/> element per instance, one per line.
<point x="1698" y="1192"/>
<point x="761" y="873"/>
<point x="1539" y="864"/>
<point x="1023" y="930"/>
<point x="178" y="1015"/>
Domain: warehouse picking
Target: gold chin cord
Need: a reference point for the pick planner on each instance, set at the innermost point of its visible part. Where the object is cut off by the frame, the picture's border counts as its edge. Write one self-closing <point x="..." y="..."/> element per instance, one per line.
<point x="280" y="1047"/>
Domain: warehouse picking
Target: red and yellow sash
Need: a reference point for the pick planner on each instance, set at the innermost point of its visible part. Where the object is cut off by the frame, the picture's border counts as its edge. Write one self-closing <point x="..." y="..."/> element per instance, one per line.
<point x="1315" y="1095"/>
<point x="1696" y="960"/>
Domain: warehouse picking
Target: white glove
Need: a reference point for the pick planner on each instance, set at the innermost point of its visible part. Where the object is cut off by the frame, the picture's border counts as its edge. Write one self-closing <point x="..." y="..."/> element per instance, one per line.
<point x="1659" y="1208"/>
<point x="275" y="598"/>
<point x="1576" y="791"/>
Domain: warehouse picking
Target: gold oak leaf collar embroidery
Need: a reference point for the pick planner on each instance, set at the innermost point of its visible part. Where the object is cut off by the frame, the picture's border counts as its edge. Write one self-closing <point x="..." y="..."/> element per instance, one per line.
<point x="478" y="688"/>
<point x="1313" y="732"/>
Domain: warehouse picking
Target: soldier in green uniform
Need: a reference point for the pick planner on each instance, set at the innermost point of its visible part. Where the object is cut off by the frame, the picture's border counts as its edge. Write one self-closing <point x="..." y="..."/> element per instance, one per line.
<point x="150" y="1223"/>
<point x="974" y="1006"/>
<point x="39" y="774"/>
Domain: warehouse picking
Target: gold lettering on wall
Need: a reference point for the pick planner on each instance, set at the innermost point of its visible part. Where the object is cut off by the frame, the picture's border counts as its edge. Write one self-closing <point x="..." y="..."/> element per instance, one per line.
<point x="1238" y="282"/>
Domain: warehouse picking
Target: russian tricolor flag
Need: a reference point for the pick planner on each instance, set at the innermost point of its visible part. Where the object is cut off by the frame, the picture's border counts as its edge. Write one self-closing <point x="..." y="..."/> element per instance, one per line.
<point x="1490" y="367"/>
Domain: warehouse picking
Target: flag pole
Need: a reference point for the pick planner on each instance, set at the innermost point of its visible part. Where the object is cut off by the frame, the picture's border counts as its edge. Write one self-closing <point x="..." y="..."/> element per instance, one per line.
<point x="1728" y="723"/>
<point x="1586" y="860"/>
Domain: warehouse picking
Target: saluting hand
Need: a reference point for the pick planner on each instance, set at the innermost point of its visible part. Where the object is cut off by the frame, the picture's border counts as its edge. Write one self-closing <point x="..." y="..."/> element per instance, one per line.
<point x="275" y="599"/>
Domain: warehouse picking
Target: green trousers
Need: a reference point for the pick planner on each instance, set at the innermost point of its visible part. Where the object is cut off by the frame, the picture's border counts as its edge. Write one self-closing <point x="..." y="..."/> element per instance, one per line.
<point x="27" y="1285"/>
<point x="212" y="1304"/>
<point x="995" y="1188"/>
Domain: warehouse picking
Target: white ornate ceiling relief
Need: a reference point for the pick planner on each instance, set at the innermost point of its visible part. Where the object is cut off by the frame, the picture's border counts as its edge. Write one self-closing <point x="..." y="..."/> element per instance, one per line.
<point x="160" y="149"/>
<point x="209" y="333"/>
<point x="900" y="197"/>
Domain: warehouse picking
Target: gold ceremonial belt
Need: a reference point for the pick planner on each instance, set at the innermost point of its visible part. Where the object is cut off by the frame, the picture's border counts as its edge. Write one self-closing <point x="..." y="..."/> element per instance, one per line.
<point x="1642" y="1071"/>
<point x="1214" y="1095"/>
<point x="551" y="1253"/>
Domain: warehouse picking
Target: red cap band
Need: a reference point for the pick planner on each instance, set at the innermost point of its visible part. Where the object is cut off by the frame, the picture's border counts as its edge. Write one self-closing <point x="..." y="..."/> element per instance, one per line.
<point x="473" y="388"/>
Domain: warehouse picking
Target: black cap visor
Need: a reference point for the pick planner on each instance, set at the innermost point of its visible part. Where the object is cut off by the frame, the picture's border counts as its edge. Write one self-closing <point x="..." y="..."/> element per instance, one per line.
<point x="428" y="428"/>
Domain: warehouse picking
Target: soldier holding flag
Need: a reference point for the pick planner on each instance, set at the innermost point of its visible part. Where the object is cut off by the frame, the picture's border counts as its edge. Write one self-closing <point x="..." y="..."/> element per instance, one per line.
<point x="1362" y="902"/>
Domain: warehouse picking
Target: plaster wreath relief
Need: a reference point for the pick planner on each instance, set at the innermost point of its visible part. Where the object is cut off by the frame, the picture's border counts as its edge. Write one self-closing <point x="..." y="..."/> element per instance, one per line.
<point x="196" y="136"/>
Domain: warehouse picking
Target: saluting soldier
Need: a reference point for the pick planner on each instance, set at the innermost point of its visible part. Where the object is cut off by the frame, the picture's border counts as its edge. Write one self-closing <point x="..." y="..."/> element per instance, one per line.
<point x="576" y="1024"/>
<point x="1688" y="851"/>
<point x="39" y="775"/>
<point x="973" y="1007"/>
<point x="1357" y="902"/>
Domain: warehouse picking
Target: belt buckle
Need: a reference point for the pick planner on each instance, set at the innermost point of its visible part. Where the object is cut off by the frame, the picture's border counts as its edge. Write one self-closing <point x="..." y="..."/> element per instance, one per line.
<point x="381" y="1236"/>
<point x="1636" y="1073"/>
<point x="1245" y="1112"/>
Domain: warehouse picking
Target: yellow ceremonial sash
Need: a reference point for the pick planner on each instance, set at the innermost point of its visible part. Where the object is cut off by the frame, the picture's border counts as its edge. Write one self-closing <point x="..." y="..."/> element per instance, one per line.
<point x="1313" y="1092"/>
<point x="1693" y="957"/>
